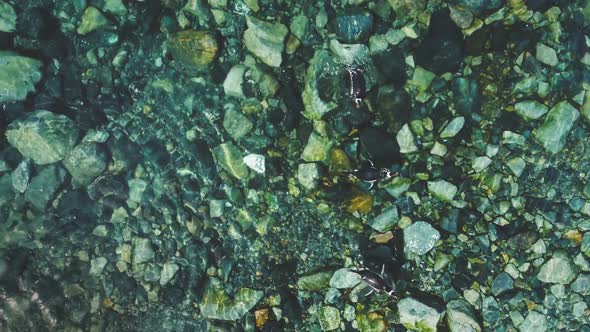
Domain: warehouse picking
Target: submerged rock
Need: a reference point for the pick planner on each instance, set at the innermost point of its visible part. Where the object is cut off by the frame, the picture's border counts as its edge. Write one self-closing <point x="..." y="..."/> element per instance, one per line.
<point x="43" y="136"/>
<point x="230" y="158"/>
<point x="308" y="175"/>
<point x="530" y="109"/>
<point x="322" y="71"/>
<point x="442" y="49"/>
<point x="86" y="162"/>
<point x="534" y="321"/>
<point x="406" y="140"/>
<point x="193" y="48"/>
<point x="415" y="315"/>
<point x="419" y="238"/>
<point x="236" y="124"/>
<point x="314" y="282"/>
<point x="21" y="176"/>
<point x="44" y="186"/>
<point x="317" y="148"/>
<point x="329" y="318"/>
<point x="143" y="251"/>
<point x="265" y="40"/>
<point x="461" y="317"/>
<point x="19" y="76"/>
<point x="443" y="190"/>
<point x="547" y="55"/>
<point x="344" y="278"/>
<point x="553" y="132"/>
<point x="558" y="270"/>
<point x="92" y="19"/>
<point x="353" y="27"/>
<point x="7" y="17"/>
<point x="385" y="221"/>
<point x="216" y="304"/>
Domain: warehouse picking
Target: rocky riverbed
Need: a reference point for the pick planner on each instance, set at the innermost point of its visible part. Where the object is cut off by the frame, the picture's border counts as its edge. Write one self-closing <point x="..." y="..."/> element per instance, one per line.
<point x="183" y="165"/>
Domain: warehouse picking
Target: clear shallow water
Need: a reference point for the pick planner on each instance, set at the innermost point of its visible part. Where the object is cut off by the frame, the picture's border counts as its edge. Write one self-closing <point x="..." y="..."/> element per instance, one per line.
<point x="183" y="165"/>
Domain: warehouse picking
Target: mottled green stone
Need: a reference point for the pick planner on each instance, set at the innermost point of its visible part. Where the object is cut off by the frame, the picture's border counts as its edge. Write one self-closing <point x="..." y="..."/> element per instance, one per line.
<point x="19" y="76"/>
<point x="230" y="158"/>
<point x="329" y="318"/>
<point x="417" y="316"/>
<point x="315" y="282"/>
<point x="216" y="304"/>
<point x="553" y="132"/>
<point x="265" y="40"/>
<point x="43" y="136"/>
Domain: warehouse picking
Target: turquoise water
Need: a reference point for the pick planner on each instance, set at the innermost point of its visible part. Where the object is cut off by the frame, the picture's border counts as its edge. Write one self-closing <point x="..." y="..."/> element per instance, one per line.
<point x="270" y="165"/>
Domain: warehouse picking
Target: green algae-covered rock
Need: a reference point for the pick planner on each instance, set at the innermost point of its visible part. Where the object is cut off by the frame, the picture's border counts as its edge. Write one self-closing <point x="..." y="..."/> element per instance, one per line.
<point x="317" y="148"/>
<point x="86" y="162"/>
<point x="216" y="304"/>
<point x="443" y="190"/>
<point x="530" y="109"/>
<point x="461" y="317"/>
<point x="308" y="175"/>
<point x="193" y="48"/>
<point x="344" y="278"/>
<point x="230" y="158"/>
<point x="372" y="322"/>
<point x="44" y="186"/>
<point x="385" y="221"/>
<point x="314" y="282"/>
<point x="558" y="270"/>
<point x="321" y="67"/>
<point x="236" y="124"/>
<point x="92" y="19"/>
<point x="329" y="318"/>
<point x="265" y="40"/>
<point x="142" y="251"/>
<point x="43" y="136"/>
<point x="419" y="238"/>
<point x="553" y="132"/>
<point x="417" y="316"/>
<point x="7" y="17"/>
<point x="19" y="75"/>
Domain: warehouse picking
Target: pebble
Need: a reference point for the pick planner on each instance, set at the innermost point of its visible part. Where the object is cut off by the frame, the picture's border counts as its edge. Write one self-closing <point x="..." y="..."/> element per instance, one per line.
<point x="419" y="239"/>
<point x="415" y="315"/>
<point x="546" y="55"/>
<point x="559" y="269"/>
<point x="553" y="132"/>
